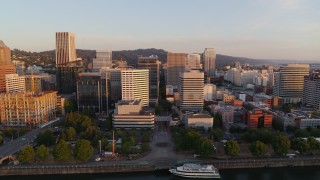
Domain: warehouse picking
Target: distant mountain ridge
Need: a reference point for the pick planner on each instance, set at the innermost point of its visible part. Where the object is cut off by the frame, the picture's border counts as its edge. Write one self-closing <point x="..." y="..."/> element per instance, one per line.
<point x="47" y="58"/>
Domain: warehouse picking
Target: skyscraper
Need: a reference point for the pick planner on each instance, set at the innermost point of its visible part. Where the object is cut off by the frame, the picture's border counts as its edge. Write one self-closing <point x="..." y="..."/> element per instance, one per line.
<point x="209" y="57"/>
<point x="65" y="48"/>
<point x="103" y="60"/>
<point x="6" y="66"/>
<point x="311" y="91"/>
<point x="153" y="65"/>
<point x="193" y="61"/>
<point x="191" y="90"/>
<point x="68" y="66"/>
<point x="175" y="65"/>
<point x="289" y="82"/>
<point x="92" y="92"/>
<point x="135" y="85"/>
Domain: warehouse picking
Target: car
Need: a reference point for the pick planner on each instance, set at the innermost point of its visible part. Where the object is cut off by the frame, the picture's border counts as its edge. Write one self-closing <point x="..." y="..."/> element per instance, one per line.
<point x="98" y="159"/>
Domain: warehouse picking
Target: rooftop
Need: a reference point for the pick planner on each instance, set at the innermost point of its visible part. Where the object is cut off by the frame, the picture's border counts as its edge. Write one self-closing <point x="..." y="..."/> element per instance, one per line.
<point x="129" y="102"/>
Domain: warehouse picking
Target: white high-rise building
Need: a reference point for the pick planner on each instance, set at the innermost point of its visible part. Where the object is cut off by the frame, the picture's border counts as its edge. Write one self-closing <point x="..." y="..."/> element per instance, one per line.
<point x="209" y="57"/>
<point x="193" y="61"/>
<point x="65" y="48"/>
<point x="135" y="85"/>
<point x="15" y="83"/>
<point x="103" y="60"/>
<point x="210" y="92"/>
<point x="191" y="90"/>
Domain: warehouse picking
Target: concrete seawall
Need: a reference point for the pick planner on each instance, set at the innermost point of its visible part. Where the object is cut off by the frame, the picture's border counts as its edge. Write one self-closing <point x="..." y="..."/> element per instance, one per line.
<point x="121" y="167"/>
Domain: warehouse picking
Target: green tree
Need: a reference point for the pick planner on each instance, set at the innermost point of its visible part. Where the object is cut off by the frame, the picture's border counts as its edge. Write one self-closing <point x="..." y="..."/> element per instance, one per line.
<point x="315" y="132"/>
<point x="62" y="151"/>
<point x="277" y="125"/>
<point x="280" y="144"/>
<point x="43" y="152"/>
<point x="45" y="138"/>
<point x="313" y="143"/>
<point x="71" y="133"/>
<point x="217" y="134"/>
<point x="258" y="148"/>
<point x="287" y="108"/>
<point x="1" y="140"/>
<point x="204" y="147"/>
<point x="232" y="148"/>
<point x="301" y="133"/>
<point x="70" y="105"/>
<point x="217" y="122"/>
<point x="83" y="150"/>
<point x="300" y="145"/>
<point x="26" y="154"/>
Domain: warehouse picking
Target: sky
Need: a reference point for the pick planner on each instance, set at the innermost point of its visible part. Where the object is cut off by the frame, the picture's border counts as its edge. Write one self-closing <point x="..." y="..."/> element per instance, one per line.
<point x="264" y="29"/>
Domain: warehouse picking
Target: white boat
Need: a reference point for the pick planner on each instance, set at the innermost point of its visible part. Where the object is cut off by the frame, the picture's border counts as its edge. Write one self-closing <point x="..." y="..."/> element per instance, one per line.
<point x="196" y="171"/>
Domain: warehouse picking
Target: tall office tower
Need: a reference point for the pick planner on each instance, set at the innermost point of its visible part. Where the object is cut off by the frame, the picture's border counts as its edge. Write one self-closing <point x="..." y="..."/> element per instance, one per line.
<point x="289" y="82"/>
<point x="135" y="85"/>
<point x="20" y="66"/>
<point x="15" y="83"/>
<point x="67" y="79"/>
<point x="65" y="48"/>
<point x="92" y="92"/>
<point x="209" y="92"/>
<point x="114" y="76"/>
<point x="27" y="110"/>
<point x="193" y="61"/>
<point x="6" y="66"/>
<point x="191" y="90"/>
<point x="153" y="65"/>
<point x="175" y="65"/>
<point x="311" y="91"/>
<point x="209" y="56"/>
<point x="103" y="60"/>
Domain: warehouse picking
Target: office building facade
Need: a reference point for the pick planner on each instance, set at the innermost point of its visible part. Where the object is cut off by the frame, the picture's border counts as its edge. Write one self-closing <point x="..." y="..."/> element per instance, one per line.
<point x="191" y="90"/>
<point x="15" y="83"/>
<point x="153" y="65"/>
<point x="6" y="66"/>
<point x="289" y="82"/>
<point x="92" y="92"/>
<point x="311" y="92"/>
<point x="135" y="85"/>
<point x="65" y="48"/>
<point x="209" y="58"/>
<point x="175" y="65"/>
<point x="103" y="60"/>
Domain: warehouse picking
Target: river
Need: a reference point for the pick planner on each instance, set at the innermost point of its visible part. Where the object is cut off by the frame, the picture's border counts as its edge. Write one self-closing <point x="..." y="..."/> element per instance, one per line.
<point x="290" y="173"/>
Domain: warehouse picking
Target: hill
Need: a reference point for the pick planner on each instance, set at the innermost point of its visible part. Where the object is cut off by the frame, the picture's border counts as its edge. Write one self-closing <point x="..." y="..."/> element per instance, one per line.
<point x="47" y="58"/>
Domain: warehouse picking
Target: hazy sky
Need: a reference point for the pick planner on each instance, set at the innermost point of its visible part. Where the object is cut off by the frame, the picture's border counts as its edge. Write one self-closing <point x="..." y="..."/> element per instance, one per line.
<point x="268" y="29"/>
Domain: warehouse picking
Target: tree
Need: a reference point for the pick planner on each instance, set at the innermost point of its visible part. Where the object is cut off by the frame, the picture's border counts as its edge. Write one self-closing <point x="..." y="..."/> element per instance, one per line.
<point x="217" y="120"/>
<point x="26" y="154"/>
<point x="204" y="147"/>
<point x="301" y="133"/>
<point x="315" y="132"/>
<point x="62" y="151"/>
<point x="280" y="144"/>
<point x="300" y="145"/>
<point x="43" y="152"/>
<point x="277" y="125"/>
<point x="1" y="140"/>
<point x="70" y="133"/>
<point x="45" y="138"/>
<point x="287" y="108"/>
<point x="70" y="105"/>
<point x="258" y="148"/>
<point x="83" y="150"/>
<point x="232" y="148"/>
<point x="217" y="134"/>
<point x="313" y="143"/>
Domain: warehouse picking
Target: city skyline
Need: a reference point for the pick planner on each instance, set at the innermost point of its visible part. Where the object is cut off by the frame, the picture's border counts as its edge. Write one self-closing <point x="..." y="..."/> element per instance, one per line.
<point x="277" y="29"/>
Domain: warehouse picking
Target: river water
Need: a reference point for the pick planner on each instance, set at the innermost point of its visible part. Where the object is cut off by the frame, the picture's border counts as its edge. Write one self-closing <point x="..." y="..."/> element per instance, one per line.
<point x="290" y="173"/>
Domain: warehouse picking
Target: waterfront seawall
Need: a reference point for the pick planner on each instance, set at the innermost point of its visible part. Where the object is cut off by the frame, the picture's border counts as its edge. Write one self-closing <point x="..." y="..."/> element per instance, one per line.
<point x="116" y="168"/>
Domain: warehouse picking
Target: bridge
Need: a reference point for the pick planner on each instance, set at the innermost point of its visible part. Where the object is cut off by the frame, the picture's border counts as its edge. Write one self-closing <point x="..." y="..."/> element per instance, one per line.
<point x="10" y="158"/>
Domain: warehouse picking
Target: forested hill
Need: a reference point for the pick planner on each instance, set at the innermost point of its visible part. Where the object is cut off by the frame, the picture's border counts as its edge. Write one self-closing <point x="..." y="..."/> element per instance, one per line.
<point x="47" y="58"/>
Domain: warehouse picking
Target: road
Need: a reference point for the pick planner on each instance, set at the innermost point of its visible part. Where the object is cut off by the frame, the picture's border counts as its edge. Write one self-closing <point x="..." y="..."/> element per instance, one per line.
<point x="10" y="148"/>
